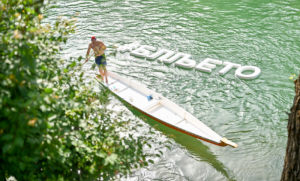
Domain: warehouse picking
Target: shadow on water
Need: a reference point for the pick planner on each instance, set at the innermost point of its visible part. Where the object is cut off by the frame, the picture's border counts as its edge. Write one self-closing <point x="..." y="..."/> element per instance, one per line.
<point x="195" y="146"/>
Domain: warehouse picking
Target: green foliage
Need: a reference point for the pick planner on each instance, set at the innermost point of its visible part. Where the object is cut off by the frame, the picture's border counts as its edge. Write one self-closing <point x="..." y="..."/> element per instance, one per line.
<point x="52" y="125"/>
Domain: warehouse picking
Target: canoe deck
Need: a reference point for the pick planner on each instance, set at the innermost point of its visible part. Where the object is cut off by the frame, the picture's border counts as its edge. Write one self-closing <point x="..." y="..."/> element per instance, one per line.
<point x="162" y="110"/>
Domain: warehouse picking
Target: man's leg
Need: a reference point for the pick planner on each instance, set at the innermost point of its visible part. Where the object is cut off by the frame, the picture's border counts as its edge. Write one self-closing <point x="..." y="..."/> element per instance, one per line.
<point x="102" y="67"/>
<point x="105" y="73"/>
<point x="101" y="73"/>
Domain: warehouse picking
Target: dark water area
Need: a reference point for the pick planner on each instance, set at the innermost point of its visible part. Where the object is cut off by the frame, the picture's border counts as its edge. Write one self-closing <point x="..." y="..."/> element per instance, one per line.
<point x="251" y="113"/>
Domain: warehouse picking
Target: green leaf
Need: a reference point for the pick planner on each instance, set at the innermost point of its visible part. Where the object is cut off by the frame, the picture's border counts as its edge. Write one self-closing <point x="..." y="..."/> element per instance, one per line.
<point x="44" y="68"/>
<point x="48" y="90"/>
<point x="111" y="159"/>
<point x="151" y="161"/>
<point x="19" y="142"/>
<point x="52" y="117"/>
<point x="22" y="166"/>
<point x="7" y="148"/>
<point x="101" y="154"/>
<point x="73" y="64"/>
<point x="7" y="137"/>
<point x="30" y="10"/>
<point x="81" y="74"/>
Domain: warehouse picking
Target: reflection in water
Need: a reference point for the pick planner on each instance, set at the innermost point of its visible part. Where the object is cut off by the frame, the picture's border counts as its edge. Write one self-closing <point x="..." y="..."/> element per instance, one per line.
<point x="200" y="151"/>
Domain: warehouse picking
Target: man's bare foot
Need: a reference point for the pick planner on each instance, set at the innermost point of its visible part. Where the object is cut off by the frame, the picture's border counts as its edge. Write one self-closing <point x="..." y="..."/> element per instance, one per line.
<point x="100" y="78"/>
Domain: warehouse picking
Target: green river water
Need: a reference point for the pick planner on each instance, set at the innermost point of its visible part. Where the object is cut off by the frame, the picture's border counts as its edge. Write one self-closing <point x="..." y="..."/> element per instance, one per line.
<point x="251" y="113"/>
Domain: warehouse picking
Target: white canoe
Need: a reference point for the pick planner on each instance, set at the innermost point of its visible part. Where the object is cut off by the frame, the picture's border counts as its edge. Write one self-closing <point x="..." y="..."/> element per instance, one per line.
<point x="162" y="109"/>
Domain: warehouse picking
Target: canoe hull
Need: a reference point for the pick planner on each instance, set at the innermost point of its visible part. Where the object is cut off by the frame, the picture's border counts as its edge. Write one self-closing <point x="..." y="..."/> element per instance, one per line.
<point x="187" y="118"/>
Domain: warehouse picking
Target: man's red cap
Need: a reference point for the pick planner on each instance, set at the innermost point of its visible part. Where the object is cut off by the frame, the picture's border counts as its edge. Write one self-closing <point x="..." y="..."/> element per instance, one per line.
<point x="93" y="38"/>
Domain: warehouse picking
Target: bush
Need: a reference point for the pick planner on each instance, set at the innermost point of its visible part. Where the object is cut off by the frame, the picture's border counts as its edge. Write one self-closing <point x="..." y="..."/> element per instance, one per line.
<point x="52" y="125"/>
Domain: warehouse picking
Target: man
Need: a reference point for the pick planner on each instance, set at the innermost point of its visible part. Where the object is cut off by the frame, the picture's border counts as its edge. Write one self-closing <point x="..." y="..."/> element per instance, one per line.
<point x="100" y="59"/>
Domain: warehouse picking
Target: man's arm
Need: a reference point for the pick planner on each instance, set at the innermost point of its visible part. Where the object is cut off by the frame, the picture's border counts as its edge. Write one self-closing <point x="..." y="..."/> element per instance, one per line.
<point x="103" y="47"/>
<point x="88" y="51"/>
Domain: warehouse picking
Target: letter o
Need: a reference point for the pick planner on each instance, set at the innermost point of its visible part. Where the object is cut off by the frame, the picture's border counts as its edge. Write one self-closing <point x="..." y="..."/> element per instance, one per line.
<point x="240" y="75"/>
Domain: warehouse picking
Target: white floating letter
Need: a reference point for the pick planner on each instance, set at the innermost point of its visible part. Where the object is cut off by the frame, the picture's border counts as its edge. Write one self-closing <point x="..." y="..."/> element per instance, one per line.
<point x="128" y="47"/>
<point x="228" y="66"/>
<point x="185" y="63"/>
<point x="166" y="56"/>
<point x="143" y="51"/>
<point x="205" y="65"/>
<point x="255" y="74"/>
<point x="175" y="57"/>
<point x="167" y="53"/>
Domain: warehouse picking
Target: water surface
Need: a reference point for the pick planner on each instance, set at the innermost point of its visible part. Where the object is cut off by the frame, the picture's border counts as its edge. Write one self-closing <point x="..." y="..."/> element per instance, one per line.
<point x="251" y="113"/>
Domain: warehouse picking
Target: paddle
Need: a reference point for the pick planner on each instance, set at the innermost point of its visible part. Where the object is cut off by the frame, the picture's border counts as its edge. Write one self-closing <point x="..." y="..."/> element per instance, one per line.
<point x="82" y="64"/>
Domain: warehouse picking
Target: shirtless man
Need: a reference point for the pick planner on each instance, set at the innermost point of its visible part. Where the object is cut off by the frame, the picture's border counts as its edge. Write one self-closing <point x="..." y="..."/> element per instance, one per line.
<point x="100" y="59"/>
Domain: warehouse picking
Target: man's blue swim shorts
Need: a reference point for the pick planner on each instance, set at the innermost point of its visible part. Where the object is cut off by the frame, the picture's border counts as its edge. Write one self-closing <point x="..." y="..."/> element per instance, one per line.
<point x="101" y="60"/>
